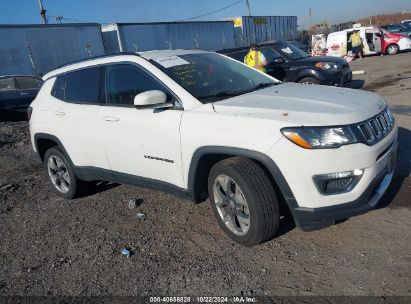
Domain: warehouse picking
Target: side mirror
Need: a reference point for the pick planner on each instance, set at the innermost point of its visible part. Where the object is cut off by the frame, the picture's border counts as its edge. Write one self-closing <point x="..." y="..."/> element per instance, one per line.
<point x="150" y="98"/>
<point x="279" y="60"/>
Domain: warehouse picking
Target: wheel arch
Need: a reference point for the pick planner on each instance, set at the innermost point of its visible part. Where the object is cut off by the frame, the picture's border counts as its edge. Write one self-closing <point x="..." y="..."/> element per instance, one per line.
<point x="44" y="142"/>
<point x="391" y="44"/>
<point x="205" y="157"/>
<point x="309" y="72"/>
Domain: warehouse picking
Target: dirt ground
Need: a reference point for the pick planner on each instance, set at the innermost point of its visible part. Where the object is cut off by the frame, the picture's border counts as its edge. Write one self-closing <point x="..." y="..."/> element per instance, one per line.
<point x="50" y="246"/>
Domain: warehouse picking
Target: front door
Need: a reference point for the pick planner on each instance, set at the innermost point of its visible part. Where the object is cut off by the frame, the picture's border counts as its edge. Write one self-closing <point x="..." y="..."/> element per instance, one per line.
<point x="141" y="144"/>
<point x="274" y="68"/>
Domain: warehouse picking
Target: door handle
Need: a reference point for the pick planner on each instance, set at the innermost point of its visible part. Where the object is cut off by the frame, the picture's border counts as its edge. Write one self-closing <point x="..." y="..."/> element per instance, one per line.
<point x="59" y="113"/>
<point x="24" y="93"/>
<point x="111" y="118"/>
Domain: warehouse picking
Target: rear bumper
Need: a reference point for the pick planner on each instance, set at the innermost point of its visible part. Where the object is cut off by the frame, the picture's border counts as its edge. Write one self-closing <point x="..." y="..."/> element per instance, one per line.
<point x="309" y="219"/>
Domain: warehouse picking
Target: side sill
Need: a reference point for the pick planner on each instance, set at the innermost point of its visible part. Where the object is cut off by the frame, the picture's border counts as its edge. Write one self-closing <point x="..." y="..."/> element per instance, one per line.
<point x="93" y="173"/>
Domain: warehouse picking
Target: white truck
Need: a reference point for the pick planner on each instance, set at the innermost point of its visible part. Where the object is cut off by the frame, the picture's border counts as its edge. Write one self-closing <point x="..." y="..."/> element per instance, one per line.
<point x="201" y="125"/>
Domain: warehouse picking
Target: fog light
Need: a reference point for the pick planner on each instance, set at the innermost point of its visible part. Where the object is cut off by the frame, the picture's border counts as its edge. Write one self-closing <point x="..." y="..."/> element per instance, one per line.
<point x="336" y="183"/>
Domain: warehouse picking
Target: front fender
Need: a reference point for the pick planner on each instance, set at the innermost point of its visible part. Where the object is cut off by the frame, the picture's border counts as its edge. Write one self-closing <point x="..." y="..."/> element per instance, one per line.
<point x="267" y="162"/>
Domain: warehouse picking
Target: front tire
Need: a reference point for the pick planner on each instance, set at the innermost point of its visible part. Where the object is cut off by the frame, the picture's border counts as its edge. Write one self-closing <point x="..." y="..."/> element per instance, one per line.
<point x="244" y="201"/>
<point x="62" y="178"/>
<point x="309" y="80"/>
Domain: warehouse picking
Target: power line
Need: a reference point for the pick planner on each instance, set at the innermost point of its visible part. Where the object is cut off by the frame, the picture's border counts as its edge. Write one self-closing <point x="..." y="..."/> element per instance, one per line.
<point x="213" y="12"/>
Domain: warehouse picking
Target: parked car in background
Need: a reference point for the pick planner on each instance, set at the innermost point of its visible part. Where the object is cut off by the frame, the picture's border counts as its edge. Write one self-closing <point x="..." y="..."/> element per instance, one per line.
<point x="288" y="63"/>
<point x="375" y="41"/>
<point x="406" y="23"/>
<point x="17" y="92"/>
<point x="397" y="29"/>
<point x="393" y="43"/>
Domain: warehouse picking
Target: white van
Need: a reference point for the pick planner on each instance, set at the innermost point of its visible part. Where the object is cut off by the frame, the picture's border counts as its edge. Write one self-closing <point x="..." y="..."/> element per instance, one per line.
<point x="338" y="43"/>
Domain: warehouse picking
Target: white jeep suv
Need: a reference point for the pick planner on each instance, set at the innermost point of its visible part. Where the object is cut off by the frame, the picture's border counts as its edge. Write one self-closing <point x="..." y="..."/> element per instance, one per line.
<point x="201" y="125"/>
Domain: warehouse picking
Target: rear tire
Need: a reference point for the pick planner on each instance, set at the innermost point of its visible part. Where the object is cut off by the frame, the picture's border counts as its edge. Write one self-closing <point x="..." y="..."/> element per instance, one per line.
<point x="244" y="201"/>
<point x="309" y="80"/>
<point x="392" y="49"/>
<point x="62" y="178"/>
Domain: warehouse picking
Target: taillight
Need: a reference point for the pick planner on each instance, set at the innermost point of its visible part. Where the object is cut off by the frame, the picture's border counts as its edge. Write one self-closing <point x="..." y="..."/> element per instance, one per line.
<point x="29" y="112"/>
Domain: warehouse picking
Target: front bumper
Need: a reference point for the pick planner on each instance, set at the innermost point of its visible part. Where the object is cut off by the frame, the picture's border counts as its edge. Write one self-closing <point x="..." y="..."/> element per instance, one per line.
<point x="309" y="219"/>
<point x="340" y="78"/>
<point x="312" y="210"/>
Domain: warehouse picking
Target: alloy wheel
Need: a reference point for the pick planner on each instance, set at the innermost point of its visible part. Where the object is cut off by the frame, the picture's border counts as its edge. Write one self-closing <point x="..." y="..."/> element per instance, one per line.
<point x="231" y="204"/>
<point x="58" y="173"/>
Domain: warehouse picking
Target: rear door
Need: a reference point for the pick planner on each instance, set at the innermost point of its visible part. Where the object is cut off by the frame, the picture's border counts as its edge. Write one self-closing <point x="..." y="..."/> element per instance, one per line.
<point x="377" y="36"/>
<point x="77" y="117"/>
<point x="28" y="88"/>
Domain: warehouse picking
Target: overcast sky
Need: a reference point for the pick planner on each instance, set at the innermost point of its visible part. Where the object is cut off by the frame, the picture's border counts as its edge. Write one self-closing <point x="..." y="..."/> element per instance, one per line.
<point x="109" y="11"/>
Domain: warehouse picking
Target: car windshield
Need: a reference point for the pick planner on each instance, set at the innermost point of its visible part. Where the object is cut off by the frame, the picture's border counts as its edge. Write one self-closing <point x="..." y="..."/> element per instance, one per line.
<point x="290" y="51"/>
<point x="212" y="77"/>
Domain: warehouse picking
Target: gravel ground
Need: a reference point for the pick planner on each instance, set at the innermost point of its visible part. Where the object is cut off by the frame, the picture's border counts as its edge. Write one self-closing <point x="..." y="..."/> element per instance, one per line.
<point x="50" y="246"/>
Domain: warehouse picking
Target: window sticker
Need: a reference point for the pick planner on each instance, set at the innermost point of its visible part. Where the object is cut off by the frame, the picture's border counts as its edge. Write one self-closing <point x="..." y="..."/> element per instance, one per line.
<point x="170" y="61"/>
<point x="287" y="50"/>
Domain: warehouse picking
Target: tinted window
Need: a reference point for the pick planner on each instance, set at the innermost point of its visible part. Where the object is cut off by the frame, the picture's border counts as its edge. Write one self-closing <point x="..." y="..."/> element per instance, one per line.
<point x="125" y="81"/>
<point x="83" y="86"/>
<point x="6" y="84"/>
<point x="58" y="87"/>
<point x="239" y="56"/>
<point x="25" y="83"/>
<point x="269" y="54"/>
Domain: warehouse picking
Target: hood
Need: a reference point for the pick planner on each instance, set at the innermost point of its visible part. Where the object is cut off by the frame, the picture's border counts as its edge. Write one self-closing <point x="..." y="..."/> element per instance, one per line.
<point x="301" y="104"/>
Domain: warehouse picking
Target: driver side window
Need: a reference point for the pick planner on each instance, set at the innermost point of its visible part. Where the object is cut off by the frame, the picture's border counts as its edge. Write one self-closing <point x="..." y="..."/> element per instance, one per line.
<point x="270" y="54"/>
<point x="125" y="81"/>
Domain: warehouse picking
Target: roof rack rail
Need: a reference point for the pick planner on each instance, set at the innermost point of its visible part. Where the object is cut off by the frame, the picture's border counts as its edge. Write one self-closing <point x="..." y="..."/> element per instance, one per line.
<point x="97" y="57"/>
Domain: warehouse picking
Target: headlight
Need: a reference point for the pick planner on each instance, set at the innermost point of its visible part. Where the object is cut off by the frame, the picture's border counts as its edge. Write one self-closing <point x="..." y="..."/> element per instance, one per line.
<point x="327" y="65"/>
<point x="320" y="137"/>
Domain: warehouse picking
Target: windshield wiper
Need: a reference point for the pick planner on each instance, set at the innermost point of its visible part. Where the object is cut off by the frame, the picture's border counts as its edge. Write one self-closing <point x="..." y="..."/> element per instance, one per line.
<point x="236" y="93"/>
<point x="263" y="85"/>
<point x="222" y="94"/>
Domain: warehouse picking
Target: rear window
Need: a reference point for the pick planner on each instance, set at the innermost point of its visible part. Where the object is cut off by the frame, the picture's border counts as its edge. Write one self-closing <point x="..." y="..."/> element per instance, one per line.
<point x="25" y="83"/>
<point x="58" y="88"/>
<point x="6" y="84"/>
<point x="81" y="86"/>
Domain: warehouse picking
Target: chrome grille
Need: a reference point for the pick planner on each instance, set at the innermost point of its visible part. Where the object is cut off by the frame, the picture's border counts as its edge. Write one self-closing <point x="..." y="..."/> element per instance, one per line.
<point x="377" y="127"/>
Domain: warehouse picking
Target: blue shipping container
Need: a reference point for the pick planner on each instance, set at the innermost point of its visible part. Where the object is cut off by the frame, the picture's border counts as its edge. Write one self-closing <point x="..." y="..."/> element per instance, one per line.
<point x="258" y="29"/>
<point x="37" y="49"/>
<point x="139" y="37"/>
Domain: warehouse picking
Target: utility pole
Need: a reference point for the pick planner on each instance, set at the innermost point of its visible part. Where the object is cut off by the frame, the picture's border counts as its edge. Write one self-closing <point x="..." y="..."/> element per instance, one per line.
<point x="249" y="13"/>
<point x="311" y="18"/>
<point x="248" y="7"/>
<point x="42" y="13"/>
